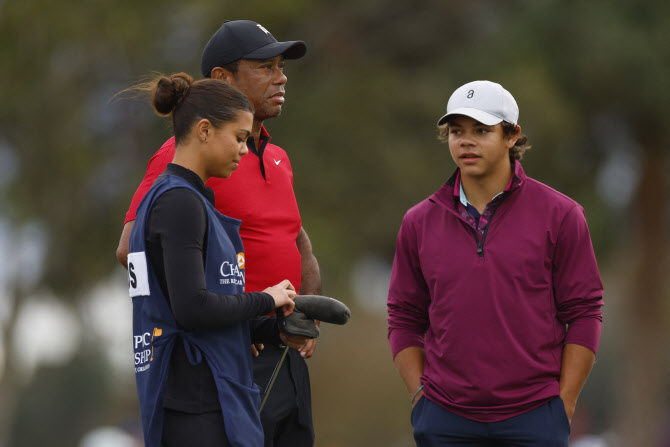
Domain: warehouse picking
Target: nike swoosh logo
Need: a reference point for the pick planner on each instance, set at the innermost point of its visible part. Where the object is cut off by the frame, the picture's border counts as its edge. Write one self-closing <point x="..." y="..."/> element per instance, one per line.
<point x="277" y="162"/>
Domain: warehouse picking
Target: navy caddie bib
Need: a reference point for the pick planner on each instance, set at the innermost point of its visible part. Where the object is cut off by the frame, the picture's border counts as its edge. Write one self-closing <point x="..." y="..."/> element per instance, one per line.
<point x="227" y="351"/>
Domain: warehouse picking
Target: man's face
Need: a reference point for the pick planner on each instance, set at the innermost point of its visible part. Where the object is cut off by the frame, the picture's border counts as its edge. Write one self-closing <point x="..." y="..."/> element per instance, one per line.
<point x="480" y="151"/>
<point x="263" y="82"/>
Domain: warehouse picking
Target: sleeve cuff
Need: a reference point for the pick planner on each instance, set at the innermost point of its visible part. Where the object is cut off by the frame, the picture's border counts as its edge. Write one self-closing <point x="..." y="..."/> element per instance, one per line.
<point x="585" y="332"/>
<point x="401" y="339"/>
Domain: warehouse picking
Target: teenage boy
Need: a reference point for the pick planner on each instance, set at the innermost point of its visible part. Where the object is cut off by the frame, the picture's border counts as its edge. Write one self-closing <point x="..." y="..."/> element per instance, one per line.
<point x="495" y="297"/>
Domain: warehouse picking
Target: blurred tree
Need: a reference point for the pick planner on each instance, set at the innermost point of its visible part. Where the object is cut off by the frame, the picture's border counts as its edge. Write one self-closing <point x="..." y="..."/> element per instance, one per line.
<point x="63" y="404"/>
<point x="615" y="62"/>
<point x="61" y="63"/>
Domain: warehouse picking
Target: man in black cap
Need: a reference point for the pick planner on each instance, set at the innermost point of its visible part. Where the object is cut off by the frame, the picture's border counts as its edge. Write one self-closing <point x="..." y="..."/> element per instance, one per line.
<point x="260" y="193"/>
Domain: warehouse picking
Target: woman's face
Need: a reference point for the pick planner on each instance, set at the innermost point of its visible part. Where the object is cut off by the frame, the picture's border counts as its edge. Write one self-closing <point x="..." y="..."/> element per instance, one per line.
<point x="227" y="145"/>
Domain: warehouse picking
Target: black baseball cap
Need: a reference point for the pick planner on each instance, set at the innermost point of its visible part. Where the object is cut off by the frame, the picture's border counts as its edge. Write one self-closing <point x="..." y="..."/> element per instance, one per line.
<point x="244" y="39"/>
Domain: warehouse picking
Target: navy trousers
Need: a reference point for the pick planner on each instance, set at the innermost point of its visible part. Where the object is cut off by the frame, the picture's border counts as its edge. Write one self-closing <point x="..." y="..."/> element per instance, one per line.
<point x="545" y="426"/>
<point x="185" y="429"/>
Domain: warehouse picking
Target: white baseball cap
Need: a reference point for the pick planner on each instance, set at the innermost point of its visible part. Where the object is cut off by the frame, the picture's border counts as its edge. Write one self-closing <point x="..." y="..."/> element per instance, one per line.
<point x="487" y="102"/>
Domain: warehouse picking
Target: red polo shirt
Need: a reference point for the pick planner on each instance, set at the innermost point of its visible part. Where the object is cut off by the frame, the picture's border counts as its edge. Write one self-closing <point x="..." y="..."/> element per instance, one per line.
<point x="260" y="194"/>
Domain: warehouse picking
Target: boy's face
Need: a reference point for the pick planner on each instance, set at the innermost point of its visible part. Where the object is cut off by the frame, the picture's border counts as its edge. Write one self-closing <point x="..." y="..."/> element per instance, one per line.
<point x="480" y="151"/>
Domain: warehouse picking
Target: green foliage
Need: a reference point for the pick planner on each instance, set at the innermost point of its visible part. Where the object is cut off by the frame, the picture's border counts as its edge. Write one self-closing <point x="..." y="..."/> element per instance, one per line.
<point x="62" y="404"/>
<point x="359" y="121"/>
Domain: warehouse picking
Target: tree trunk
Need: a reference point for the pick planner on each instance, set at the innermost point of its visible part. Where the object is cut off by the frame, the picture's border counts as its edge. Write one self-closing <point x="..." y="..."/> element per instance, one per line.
<point x="10" y="384"/>
<point x="643" y="382"/>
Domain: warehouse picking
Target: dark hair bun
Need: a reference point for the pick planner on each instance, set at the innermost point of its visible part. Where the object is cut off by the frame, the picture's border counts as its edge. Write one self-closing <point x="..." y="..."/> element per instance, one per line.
<point x="170" y="92"/>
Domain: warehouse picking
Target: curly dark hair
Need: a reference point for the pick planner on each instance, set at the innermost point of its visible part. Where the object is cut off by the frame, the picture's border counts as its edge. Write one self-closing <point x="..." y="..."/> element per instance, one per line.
<point x="521" y="146"/>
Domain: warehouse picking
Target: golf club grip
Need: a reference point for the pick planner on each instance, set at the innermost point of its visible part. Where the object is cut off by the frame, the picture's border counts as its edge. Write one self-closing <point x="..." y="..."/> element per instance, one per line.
<point x="323" y="308"/>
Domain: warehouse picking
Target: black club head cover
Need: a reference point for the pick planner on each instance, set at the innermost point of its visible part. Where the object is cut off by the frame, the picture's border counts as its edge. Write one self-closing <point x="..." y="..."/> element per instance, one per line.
<point x="297" y="324"/>
<point x="322" y="308"/>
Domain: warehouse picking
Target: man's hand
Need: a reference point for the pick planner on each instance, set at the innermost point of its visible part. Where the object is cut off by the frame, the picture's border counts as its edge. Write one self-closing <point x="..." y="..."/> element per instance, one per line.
<point x="569" y="407"/>
<point x="297" y="342"/>
<point x="310" y="347"/>
<point x="256" y="348"/>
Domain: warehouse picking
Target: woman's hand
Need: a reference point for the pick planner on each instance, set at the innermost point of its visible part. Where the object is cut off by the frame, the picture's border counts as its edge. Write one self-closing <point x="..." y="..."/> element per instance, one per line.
<point x="283" y="294"/>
